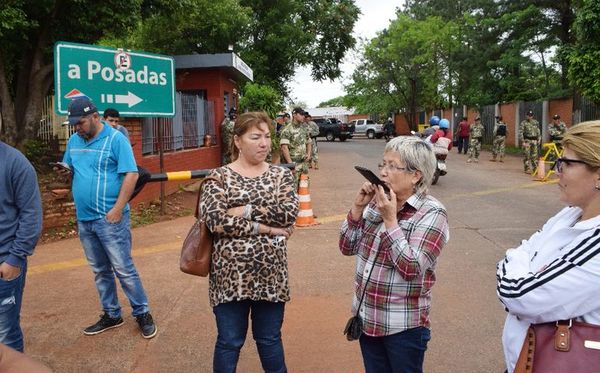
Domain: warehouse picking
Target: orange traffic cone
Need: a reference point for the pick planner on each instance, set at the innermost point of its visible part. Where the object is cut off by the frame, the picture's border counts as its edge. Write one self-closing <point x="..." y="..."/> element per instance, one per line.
<point x="541" y="169"/>
<point x="305" y="217"/>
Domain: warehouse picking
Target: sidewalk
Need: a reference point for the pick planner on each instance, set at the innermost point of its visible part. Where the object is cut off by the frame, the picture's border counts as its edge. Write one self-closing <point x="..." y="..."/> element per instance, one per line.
<point x="61" y="299"/>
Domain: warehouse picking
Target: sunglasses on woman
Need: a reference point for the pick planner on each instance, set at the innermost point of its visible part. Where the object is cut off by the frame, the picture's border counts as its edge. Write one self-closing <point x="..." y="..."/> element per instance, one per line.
<point x="558" y="164"/>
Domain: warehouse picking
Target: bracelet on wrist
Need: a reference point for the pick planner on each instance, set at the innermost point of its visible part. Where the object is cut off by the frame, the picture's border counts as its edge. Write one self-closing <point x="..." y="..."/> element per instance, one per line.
<point x="247" y="212"/>
<point x="256" y="228"/>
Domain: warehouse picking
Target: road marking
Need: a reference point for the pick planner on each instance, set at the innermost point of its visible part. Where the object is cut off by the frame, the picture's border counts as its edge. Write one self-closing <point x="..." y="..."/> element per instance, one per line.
<point x="332" y="219"/>
<point x="176" y="245"/>
<point x="501" y="190"/>
<point x="57" y="266"/>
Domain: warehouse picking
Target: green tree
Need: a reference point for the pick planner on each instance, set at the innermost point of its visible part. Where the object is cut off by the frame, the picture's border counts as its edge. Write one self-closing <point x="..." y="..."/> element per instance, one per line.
<point x="404" y="68"/>
<point x="506" y="48"/>
<point x="540" y="26"/>
<point x="272" y="37"/>
<point x="286" y="34"/>
<point x="336" y="101"/>
<point x="188" y="26"/>
<point x="584" y="67"/>
<point x="28" y="30"/>
<point x="256" y="97"/>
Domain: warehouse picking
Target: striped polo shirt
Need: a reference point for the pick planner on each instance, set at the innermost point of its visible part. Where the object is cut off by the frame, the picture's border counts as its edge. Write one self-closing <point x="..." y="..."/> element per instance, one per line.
<point x="99" y="167"/>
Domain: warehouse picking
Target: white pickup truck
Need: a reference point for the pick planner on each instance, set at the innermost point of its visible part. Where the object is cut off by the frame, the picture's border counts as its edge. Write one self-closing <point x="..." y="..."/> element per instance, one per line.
<point x="367" y="127"/>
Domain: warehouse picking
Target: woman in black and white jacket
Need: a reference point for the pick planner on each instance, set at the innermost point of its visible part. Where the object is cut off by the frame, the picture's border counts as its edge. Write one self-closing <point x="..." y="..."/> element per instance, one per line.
<point x="555" y="274"/>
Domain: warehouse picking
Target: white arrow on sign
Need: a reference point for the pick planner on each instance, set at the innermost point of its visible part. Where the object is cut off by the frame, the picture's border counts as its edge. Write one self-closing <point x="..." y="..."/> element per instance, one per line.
<point x="130" y="99"/>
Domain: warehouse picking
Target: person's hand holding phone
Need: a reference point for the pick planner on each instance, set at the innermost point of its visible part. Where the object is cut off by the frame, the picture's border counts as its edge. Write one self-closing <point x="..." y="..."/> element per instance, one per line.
<point x="61" y="168"/>
<point x="387" y="206"/>
<point x="362" y="199"/>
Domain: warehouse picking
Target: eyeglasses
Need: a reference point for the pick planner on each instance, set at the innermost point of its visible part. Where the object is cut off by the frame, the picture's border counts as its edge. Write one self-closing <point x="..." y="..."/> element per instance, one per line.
<point x="391" y="167"/>
<point x="558" y="165"/>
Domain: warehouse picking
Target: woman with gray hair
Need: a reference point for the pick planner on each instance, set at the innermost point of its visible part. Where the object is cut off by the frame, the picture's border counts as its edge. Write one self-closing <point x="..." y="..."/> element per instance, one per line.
<point x="397" y="237"/>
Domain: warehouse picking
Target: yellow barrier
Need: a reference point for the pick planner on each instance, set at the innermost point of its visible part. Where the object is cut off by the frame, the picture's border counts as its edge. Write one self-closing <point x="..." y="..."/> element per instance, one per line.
<point x="551" y="150"/>
<point x="422" y="127"/>
<point x="179" y="175"/>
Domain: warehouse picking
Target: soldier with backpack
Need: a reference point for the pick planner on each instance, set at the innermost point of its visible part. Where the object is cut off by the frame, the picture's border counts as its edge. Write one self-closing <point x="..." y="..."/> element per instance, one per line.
<point x="500" y="132"/>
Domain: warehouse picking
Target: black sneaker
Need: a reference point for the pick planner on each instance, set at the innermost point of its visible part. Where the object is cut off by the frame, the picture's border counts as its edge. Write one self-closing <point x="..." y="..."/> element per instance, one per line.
<point x="147" y="325"/>
<point x="106" y="322"/>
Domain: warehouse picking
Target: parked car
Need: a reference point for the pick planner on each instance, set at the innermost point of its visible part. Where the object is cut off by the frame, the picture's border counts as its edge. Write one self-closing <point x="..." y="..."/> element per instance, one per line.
<point x="332" y="130"/>
<point x="348" y="125"/>
<point x="368" y="127"/>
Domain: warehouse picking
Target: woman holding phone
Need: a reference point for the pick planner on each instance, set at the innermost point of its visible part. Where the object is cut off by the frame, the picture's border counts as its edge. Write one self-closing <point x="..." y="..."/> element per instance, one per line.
<point x="397" y="237"/>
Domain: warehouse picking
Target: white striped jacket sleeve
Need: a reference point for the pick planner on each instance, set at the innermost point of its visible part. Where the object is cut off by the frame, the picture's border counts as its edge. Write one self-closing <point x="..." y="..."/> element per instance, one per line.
<point x="567" y="287"/>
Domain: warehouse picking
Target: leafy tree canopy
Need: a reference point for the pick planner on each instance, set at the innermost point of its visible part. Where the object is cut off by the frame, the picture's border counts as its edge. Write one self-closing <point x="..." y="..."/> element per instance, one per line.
<point x="273" y="37"/>
<point x="584" y="69"/>
<point x="261" y="98"/>
<point x="28" y="31"/>
<point x="336" y="101"/>
<point x="404" y="68"/>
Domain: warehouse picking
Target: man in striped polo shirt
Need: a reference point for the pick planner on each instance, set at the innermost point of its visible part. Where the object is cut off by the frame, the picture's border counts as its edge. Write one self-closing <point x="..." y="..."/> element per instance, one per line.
<point x="104" y="174"/>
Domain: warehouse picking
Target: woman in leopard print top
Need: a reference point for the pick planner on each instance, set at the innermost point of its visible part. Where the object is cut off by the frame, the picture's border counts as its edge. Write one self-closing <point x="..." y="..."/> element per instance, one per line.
<point x="251" y="211"/>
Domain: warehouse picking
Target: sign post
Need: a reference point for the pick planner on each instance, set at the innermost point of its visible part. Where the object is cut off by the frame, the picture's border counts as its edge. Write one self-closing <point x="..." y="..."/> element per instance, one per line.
<point x="137" y="84"/>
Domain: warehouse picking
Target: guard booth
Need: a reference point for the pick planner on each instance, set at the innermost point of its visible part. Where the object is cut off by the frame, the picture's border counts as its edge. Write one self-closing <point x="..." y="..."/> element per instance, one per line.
<point x="207" y="87"/>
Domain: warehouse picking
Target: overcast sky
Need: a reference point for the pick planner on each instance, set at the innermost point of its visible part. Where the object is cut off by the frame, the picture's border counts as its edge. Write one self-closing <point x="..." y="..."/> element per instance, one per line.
<point x="376" y="15"/>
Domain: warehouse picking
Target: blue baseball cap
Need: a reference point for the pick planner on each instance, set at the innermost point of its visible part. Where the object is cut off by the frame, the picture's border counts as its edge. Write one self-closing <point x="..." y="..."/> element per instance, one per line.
<point x="80" y="107"/>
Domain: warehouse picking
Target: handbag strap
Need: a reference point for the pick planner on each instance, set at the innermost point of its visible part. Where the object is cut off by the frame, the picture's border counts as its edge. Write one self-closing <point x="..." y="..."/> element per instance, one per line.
<point x="200" y="193"/>
<point x="366" y="282"/>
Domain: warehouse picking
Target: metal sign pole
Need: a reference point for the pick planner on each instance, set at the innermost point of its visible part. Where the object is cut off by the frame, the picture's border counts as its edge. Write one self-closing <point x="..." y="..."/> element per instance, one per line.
<point x="162" y="165"/>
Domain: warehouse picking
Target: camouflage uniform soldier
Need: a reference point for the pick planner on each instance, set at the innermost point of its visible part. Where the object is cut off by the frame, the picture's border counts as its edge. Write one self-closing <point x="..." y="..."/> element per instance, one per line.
<point x="529" y="135"/>
<point x="313" y="130"/>
<point x="227" y="136"/>
<point x="500" y="132"/>
<point x="296" y="144"/>
<point x="476" y="136"/>
<point x="556" y="129"/>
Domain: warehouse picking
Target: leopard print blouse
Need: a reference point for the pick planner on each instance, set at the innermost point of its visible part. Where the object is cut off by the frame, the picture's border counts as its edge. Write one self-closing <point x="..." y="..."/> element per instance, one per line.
<point x="246" y="265"/>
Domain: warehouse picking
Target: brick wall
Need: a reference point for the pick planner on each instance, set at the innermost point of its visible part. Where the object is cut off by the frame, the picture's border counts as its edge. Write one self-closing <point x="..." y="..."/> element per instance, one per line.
<point x="57" y="212"/>
<point x="192" y="159"/>
<point x="401" y="125"/>
<point x="357" y="116"/>
<point x="562" y="107"/>
<point x="509" y="112"/>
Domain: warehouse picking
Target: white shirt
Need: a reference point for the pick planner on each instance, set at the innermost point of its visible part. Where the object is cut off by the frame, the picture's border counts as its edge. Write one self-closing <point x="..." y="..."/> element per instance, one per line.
<point x="555" y="275"/>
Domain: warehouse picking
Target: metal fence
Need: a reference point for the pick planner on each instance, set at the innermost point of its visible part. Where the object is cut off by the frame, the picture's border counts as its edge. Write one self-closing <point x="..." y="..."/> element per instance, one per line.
<point x="584" y="110"/>
<point x="193" y="120"/>
<point x="488" y="119"/>
<point x="51" y="129"/>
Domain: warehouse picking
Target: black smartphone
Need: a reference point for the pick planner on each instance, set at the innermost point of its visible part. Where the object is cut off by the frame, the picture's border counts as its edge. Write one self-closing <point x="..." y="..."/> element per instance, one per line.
<point x="373" y="179"/>
<point x="60" y="165"/>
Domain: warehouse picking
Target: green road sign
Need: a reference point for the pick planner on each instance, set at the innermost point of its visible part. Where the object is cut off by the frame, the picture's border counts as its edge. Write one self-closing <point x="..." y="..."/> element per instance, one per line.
<point x="137" y="84"/>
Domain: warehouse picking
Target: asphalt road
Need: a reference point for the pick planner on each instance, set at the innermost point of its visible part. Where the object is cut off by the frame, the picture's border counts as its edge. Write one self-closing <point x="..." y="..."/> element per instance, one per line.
<point x="492" y="206"/>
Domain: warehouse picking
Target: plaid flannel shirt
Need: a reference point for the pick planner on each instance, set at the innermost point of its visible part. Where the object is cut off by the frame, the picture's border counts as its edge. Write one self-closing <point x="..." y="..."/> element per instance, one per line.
<point x="403" y="260"/>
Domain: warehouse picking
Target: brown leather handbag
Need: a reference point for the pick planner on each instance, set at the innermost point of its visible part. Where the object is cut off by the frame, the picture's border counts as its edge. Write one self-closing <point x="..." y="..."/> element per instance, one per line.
<point x="198" y="244"/>
<point x="560" y="347"/>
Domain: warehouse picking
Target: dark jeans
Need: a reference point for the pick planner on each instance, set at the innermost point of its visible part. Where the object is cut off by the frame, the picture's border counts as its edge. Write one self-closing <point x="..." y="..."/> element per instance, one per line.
<point x="463" y="143"/>
<point x="397" y="353"/>
<point x="232" y="326"/>
<point x="11" y="297"/>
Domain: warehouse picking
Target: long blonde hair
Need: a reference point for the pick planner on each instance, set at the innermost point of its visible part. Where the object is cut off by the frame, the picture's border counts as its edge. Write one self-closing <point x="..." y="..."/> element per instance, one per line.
<point x="584" y="140"/>
<point x="244" y="123"/>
